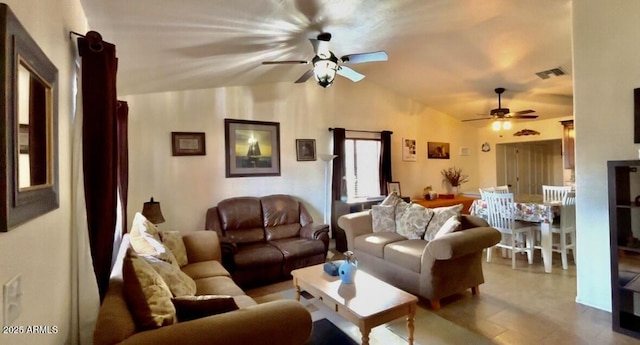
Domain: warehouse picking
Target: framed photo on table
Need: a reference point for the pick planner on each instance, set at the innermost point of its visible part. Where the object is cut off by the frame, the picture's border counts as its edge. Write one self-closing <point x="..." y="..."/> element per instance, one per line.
<point x="252" y="148"/>
<point x="394" y="186"/>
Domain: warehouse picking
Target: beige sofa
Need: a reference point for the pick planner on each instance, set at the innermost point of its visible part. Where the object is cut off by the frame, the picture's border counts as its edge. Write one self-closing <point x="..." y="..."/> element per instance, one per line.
<point x="432" y="269"/>
<point x="281" y="322"/>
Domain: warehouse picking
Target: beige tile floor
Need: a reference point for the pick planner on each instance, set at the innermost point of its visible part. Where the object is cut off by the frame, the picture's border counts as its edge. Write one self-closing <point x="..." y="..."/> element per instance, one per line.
<point x="522" y="306"/>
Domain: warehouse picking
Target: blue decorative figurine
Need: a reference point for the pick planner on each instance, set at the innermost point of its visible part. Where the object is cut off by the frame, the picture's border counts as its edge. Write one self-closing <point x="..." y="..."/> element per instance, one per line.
<point x="348" y="268"/>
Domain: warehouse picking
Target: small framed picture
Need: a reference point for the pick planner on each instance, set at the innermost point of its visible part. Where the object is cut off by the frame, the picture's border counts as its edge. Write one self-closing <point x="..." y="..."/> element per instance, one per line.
<point x="306" y="149"/>
<point x="437" y="150"/>
<point x="188" y="144"/>
<point x="409" y="150"/>
<point x="394" y="186"/>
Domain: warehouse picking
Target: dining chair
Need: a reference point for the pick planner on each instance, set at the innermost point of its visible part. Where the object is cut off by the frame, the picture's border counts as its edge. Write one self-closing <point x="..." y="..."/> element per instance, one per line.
<point x="554" y="193"/>
<point x="566" y="229"/>
<point x="517" y="236"/>
<point x="496" y="189"/>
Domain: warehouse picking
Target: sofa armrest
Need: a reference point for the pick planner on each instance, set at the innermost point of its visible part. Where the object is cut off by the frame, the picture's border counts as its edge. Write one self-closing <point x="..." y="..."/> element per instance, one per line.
<point x="314" y="231"/>
<point x="276" y="322"/>
<point x="460" y="243"/>
<point x="354" y="225"/>
<point x="202" y="245"/>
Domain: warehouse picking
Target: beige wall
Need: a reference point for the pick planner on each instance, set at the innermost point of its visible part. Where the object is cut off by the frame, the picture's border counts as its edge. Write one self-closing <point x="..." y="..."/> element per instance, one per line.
<point x="187" y="186"/>
<point x="39" y="250"/>
<point x="606" y="70"/>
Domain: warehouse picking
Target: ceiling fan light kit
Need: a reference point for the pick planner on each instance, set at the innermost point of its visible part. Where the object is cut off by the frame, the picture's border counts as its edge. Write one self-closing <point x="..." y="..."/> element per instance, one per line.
<point x="326" y="65"/>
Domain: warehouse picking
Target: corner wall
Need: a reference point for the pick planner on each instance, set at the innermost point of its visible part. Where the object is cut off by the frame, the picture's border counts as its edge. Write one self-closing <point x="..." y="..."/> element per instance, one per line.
<point x="606" y="70"/>
<point x="39" y="250"/>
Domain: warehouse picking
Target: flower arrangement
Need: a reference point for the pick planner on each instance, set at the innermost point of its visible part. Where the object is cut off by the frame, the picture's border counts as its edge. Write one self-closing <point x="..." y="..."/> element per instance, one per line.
<point x="454" y="176"/>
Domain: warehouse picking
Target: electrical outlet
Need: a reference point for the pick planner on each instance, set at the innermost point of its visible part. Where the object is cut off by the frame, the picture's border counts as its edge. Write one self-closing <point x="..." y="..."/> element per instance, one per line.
<point x="12" y="299"/>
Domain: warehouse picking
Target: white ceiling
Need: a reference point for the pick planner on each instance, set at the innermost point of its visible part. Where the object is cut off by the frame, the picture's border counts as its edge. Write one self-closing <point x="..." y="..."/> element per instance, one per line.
<point x="449" y="55"/>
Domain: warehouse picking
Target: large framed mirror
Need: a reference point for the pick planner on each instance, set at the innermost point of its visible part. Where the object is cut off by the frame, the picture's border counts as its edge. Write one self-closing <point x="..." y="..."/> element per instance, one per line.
<point x="29" y="124"/>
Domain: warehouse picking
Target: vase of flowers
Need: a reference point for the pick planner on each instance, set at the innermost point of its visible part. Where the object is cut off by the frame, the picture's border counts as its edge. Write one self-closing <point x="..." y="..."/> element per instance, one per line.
<point x="453" y="178"/>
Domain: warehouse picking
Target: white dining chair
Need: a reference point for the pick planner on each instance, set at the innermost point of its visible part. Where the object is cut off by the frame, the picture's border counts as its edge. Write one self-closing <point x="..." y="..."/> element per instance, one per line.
<point x="516" y="236"/>
<point x="496" y="189"/>
<point x="554" y="193"/>
<point x="565" y="238"/>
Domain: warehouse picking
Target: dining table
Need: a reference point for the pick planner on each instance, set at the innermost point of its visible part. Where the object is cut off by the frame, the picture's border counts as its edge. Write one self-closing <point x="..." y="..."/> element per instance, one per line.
<point x="529" y="208"/>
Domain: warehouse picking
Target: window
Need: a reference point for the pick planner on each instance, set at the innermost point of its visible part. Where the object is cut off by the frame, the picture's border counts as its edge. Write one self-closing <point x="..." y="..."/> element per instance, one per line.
<point x="362" y="163"/>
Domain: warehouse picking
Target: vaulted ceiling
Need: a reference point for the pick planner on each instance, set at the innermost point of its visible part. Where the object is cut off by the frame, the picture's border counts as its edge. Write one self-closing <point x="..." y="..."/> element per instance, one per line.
<point x="449" y="55"/>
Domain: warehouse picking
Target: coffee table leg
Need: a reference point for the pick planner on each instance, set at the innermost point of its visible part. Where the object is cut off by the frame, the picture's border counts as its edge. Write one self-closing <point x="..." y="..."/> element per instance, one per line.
<point x="410" y="326"/>
<point x="295" y="283"/>
<point x="365" y="330"/>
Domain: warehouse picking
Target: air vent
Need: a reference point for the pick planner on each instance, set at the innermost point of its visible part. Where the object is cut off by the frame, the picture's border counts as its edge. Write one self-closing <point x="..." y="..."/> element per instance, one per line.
<point x="554" y="72"/>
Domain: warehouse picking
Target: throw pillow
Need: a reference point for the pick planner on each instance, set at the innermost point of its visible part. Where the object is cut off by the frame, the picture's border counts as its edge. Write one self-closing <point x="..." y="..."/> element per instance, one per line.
<point x="452" y="224"/>
<point x="147" y="295"/>
<point x="195" y="307"/>
<point x="440" y="216"/>
<point x="145" y="239"/>
<point x="383" y="218"/>
<point x="178" y="282"/>
<point x="173" y="241"/>
<point x="391" y="199"/>
<point x="412" y="223"/>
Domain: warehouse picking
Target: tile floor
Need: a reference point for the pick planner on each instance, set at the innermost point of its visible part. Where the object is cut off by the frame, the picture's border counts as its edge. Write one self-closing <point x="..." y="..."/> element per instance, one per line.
<point x="522" y="306"/>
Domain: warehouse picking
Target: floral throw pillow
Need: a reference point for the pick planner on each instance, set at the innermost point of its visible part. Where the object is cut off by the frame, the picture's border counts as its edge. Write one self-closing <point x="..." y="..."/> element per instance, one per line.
<point x="412" y="223"/>
<point x="391" y="199"/>
<point x="173" y="241"/>
<point x="452" y="224"/>
<point x="440" y="216"/>
<point x="383" y="218"/>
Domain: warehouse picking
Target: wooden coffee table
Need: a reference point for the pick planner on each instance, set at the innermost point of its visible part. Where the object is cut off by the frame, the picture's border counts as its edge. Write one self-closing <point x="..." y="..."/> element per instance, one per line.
<point x="367" y="303"/>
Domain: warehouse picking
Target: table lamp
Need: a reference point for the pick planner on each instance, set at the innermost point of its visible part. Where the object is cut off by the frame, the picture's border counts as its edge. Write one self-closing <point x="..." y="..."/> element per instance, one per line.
<point x="151" y="211"/>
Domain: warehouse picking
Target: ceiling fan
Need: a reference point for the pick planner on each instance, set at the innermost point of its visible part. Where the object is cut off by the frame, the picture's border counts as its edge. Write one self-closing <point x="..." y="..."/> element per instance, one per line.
<point x="501" y="113"/>
<point x="326" y="65"/>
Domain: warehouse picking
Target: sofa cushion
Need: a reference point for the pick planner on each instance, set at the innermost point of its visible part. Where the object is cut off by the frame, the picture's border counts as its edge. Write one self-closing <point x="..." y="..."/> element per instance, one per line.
<point x="178" y="282"/>
<point x="452" y="224"/>
<point x="147" y="295"/>
<point x="195" y="307"/>
<point x="407" y="254"/>
<point x="217" y="286"/>
<point x="173" y="241"/>
<point x="241" y="219"/>
<point x="374" y="243"/>
<point x="257" y="254"/>
<point x="205" y="269"/>
<point x="298" y="247"/>
<point x="440" y="216"/>
<point x="412" y="223"/>
<point x="281" y="216"/>
<point x="391" y="200"/>
<point x="282" y="231"/>
<point x="383" y="218"/>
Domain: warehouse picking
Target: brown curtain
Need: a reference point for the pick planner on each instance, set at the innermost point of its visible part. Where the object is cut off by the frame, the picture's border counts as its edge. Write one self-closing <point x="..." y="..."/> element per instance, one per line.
<point x="101" y="152"/>
<point x="337" y="180"/>
<point x="123" y="158"/>
<point x="385" y="161"/>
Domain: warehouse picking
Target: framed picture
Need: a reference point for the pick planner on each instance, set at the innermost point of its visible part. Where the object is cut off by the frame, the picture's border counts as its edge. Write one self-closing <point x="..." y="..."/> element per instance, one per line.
<point x="252" y="148"/>
<point x="438" y="150"/>
<point x="409" y="150"/>
<point x="394" y="186"/>
<point x="188" y="144"/>
<point x="306" y="149"/>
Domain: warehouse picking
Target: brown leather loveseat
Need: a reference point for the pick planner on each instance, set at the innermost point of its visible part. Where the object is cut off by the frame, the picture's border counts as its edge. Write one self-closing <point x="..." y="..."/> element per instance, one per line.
<point x="265" y="238"/>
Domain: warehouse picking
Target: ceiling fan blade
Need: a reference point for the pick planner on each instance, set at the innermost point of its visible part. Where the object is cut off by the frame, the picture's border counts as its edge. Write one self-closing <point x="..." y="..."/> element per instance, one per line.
<point x="299" y="62"/>
<point x="308" y="74"/>
<point x="522" y="112"/>
<point x="488" y="118"/>
<point x="524" y="117"/>
<point x="321" y="48"/>
<point x="365" y="57"/>
<point x="350" y="73"/>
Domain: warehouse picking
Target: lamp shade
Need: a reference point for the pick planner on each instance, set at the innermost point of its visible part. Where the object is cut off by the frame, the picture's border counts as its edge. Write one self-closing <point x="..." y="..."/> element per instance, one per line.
<point x="151" y="211"/>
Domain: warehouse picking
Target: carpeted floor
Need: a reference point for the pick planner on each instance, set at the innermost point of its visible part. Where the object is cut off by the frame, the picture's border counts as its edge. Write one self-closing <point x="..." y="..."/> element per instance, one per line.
<point x="429" y="328"/>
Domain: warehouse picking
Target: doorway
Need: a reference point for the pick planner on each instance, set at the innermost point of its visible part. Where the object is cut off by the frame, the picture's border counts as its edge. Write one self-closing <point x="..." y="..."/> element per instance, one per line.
<point x="526" y="166"/>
